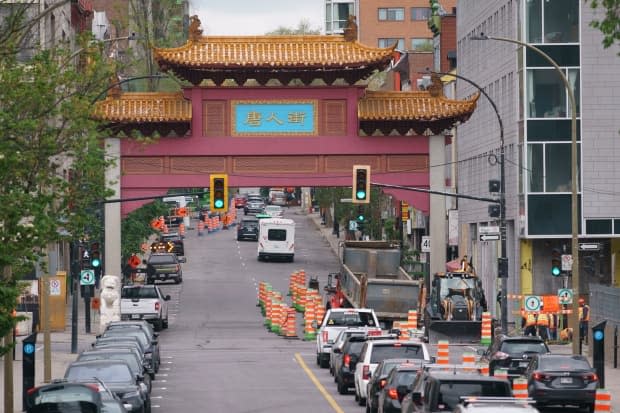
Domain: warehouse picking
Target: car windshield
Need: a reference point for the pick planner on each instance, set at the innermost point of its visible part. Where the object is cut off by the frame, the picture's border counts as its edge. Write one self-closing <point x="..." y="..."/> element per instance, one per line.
<point x="521" y="347"/>
<point x="353" y="319"/>
<point x="129" y="358"/>
<point x="161" y="259"/>
<point x="107" y="372"/>
<point x="457" y="284"/>
<point x="390" y="351"/>
<point x="119" y="342"/>
<point x="568" y="363"/>
<point x="250" y="224"/>
<point x="139" y="292"/>
<point x="450" y="392"/>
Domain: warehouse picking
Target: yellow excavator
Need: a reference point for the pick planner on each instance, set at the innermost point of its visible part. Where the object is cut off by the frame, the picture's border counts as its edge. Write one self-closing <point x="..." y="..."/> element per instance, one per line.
<point x="451" y="304"/>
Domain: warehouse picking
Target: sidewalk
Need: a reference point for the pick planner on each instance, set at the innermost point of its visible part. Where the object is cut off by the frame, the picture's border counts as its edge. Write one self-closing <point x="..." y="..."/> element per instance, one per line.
<point x="612" y="376"/>
<point x="61" y="353"/>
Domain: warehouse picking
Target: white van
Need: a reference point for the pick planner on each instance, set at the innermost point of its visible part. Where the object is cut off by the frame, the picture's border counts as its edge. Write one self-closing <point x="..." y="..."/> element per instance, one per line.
<point x="276" y="239"/>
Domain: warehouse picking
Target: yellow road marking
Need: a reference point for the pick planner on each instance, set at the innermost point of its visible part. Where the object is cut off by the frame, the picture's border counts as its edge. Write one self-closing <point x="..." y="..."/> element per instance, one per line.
<point x="318" y="385"/>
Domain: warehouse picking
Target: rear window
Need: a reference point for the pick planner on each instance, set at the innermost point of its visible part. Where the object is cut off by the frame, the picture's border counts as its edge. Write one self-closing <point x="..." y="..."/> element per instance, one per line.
<point x="162" y="259"/>
<point x="450" y="392"/>
<point x="521" y="347"/>
<point x="392" y="351"/>
<point x="353" y="347"/>
<point x="276" y="235"/>
<point x="388" y="367"/>
<point x="404" y="378"/>
<point x="352" y="319"/>
<point x="140" y="292"/>
<point x="64" y="394"/>
<point x="564" y="363"/>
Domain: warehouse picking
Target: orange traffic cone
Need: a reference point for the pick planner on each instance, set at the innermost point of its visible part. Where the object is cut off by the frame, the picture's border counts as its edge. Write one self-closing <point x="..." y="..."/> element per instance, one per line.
<point x="289" y="330"/>
<point x="443" y="352"/>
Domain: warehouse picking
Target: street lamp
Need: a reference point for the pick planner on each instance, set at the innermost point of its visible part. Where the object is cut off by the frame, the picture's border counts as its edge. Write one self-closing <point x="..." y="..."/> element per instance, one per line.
<point x="502" y="267"/>
<point x="574" y="318"/>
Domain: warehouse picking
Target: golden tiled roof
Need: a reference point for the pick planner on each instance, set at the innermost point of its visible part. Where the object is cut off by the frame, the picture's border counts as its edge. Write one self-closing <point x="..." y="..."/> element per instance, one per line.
<point x="412" y="106"/>
<point x="133" y="107"/>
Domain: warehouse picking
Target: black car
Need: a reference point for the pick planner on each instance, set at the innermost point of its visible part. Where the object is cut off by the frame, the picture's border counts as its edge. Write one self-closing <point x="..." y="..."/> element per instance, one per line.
<point x="61" y="395"/>
<point x="344" y="368"/>
<point x="561" y="379"/>
<point x="397" y="384"/>
<point x="513" y="353"/>
<point x="248" y="229"/>
<point x="150" y="345"/>
<point x="164" y="266"/>
<point x="132" y="358"/>
<point x="378" y="380"/>
<point x="117" y="376"/>
<point x="128" y="342"/>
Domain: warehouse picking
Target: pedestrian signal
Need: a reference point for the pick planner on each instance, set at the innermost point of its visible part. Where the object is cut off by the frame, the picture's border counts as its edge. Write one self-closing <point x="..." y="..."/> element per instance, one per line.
<point x="361" y="184"/>
<point x="219" y="193"/>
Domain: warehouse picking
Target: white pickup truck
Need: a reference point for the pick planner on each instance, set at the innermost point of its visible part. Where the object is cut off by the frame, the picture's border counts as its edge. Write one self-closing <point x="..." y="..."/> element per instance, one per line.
<point x="145" y="302"/>
<point x="336" y="320"/>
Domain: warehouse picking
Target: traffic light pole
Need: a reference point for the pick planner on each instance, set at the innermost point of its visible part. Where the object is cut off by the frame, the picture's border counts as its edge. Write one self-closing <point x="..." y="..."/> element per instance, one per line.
<point x="75" y="265"/>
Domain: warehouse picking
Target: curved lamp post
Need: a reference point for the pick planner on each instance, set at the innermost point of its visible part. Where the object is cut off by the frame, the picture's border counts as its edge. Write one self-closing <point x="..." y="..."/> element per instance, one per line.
<point x="574" y="318"/>
<point x="502" y="266"/>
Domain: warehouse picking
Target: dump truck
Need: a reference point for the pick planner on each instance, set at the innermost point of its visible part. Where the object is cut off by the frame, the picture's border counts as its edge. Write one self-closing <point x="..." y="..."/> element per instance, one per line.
<point x="370" y="276"/>
<point x="451" y="304"/>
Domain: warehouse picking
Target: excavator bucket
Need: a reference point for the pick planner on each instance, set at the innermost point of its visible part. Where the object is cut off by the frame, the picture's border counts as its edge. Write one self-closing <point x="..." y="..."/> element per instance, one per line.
<point x="455" y="331"/>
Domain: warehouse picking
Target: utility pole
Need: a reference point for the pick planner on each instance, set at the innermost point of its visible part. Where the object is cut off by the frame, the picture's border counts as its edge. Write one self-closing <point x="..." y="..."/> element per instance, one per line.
<point x="8" y="360"/>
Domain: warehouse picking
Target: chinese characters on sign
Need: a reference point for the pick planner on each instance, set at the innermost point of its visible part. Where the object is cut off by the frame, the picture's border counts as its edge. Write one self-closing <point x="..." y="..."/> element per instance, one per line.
<point x="282" y="118"/>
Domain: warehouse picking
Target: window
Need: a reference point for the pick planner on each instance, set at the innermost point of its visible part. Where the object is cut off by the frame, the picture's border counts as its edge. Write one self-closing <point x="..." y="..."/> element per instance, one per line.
<point x="552" y="21"/>
<point x="390" y="42"/>
<point x="549" y="167"/>
<point x="392" y="13"/>
<point x="546" y="94"/>
<point x="276" y="235"/>
<point x="336" y="16"/>
<point x="422" y="44"/>
<point x="420" y="13"/>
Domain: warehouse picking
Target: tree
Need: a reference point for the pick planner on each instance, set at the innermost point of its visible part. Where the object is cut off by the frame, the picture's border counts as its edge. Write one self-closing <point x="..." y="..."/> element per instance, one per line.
<point x="610" y="25"/>
<point x="303" y="28"/>
<point x="51" y="157"/>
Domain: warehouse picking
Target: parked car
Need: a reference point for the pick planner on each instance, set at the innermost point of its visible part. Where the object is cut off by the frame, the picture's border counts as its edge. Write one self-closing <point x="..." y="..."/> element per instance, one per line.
<point x="378" y="380"/>
<point x="562" y="379"/>
<point x="248" y="229"/>
<point x="164" y="266"/>
<point x="513" y="353"/>
<point x="132" y="358"/>
<point x="374" y="351"/>
<point x="151" y="347"/>
<point x="128" y="342"/>
<point x="274" y="211"/>
<point x="117" y="376"/>
<point x="145" y="325"/>
<point x="396" y="386"/>
<point x="145" y="302"/>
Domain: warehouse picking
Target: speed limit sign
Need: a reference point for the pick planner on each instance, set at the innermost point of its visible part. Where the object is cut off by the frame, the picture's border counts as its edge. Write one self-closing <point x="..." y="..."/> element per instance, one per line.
<point x="532" y="302"/>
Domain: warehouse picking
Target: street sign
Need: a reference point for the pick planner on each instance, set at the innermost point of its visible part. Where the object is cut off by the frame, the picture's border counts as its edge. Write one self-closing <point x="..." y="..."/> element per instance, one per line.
<point x="87" y="277"/>
<point x="488" y="230"/>
<point x="29" y="348"/>
<point x="55" y="287"/>
<point x="352" y="225"/>
<point x="426" y="244"/>
<point x="567" y="262"/>
<point x="565" y="296"/>
<point x="589" y="246"/>
<point x="489" y="237"/>
<point x="532" y="302"/>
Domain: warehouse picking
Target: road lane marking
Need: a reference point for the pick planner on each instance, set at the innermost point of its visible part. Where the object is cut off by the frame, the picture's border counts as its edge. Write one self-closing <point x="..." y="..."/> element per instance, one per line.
<point x="318" y="385"/>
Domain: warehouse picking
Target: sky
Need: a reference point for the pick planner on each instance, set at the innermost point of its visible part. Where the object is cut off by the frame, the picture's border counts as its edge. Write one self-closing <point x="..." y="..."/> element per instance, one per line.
<point x="255" y="17"/>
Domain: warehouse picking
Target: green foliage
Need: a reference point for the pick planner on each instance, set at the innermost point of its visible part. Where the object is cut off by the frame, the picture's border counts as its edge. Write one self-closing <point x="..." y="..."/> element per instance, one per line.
<point x="136" y="228"/>
<point x="303" y="28"/>
<point x="610" y="25"/>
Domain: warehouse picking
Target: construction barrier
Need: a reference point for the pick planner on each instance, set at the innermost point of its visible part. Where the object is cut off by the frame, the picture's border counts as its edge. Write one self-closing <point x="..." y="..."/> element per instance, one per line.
<point x="309" y="318"/>
<point x="201" y="228"/>
<point x="469" y="360"/>
<point x="484" y="368"/>
<point x="412" y="319"/>
<point x="276" y="318"/>
<point x="602" y="401"/>
<point x="288" y="330"/>
<point x="319" y="311"/>
<point x="485" y="334"/>
<point x="182" y="230"/>
<point x="292" y="280"/>
<point x="501" y="373"/>
<point x="519" y="388"/>
<point x="443" y="352"/>
<point x="404" y="331"/>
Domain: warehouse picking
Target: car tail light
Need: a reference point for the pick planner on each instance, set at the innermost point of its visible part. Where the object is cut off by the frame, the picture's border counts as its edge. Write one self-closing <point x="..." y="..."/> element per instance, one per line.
<point x="500" y="356"/>
<point x="590" y="377"/>
<point x="178" y="267"/>
<point x="31" y="390"/>
<point x="393" y="394"/>
<point x="366" y="372"/>
<point x="382" y="383"/>
<point x="157" y="306"/>
<point x="325" y="336"/>
<point x="541" y="376"/>
<point x="347" y="360"/>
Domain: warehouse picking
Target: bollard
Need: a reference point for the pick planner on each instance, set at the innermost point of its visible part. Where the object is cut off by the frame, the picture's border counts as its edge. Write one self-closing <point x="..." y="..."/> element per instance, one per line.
<point x="602" y="401"/>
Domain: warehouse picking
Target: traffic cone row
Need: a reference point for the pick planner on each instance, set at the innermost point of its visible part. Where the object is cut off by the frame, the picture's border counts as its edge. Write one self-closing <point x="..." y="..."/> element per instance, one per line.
<point x="279" y="317"/>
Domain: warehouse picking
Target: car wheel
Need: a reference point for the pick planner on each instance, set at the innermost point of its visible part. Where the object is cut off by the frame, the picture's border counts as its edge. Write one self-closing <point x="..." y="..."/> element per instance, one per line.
<point x="177" y="280"/>
<point x="324" y="363"/>
<point x="148" y="407"/>
<point x="361" y="402"/>
<point x="158" y="324"/>
<point x="368" y="409"/>
<point x="342" y="389"/>
<point x="165" y="322"/>
<point x="318" y="359"/>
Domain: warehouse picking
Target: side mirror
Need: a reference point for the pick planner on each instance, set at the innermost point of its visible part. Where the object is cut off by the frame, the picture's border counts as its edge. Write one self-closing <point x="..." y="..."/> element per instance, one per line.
<point x="182" y="259"/>
<point x="167" y="297"/>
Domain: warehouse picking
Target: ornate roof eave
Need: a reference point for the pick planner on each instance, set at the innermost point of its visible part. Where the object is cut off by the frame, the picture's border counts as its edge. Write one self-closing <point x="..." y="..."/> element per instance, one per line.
<point x="423" y="112"/>
<point x="273" y="57"/>
<point x="147" y="112"/>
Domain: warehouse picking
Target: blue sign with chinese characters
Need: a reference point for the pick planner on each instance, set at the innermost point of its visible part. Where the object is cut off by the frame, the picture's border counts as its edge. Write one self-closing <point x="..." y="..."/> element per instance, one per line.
<point x="274" y="118"/>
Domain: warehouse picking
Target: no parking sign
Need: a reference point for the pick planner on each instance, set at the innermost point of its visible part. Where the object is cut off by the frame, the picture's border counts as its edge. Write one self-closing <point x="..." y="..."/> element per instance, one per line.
<point x="532" y="302"/>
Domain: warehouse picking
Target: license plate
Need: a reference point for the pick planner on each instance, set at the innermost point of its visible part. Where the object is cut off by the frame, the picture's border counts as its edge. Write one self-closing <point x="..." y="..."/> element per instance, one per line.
<point x="524" y="364"/>
<point x="135" y="316"/>
<point x="566" y="380"/>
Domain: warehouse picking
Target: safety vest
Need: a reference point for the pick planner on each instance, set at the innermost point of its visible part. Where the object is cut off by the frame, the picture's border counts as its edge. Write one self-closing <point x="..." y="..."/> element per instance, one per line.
<point x="543" y="320"/>
<point x="584" y="315"/>
<point x="553" y="321"/>
<point x="530" y="320"/>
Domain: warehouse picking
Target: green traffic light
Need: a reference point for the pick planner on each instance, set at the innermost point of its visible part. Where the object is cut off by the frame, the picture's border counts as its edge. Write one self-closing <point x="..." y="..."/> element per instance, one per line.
<point x="360" y="194"/>
<point x="555" y="271"/>
<point x="218" y="203"/>
<point x="95" y="262"/>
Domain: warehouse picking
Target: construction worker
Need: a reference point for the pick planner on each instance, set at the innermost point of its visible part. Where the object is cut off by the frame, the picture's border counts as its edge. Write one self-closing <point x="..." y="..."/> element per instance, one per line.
<point x="523" y="318"/>
<point x="584" y="319"/>
<point x="530" y="324"/>
<point x="542" y="323"/>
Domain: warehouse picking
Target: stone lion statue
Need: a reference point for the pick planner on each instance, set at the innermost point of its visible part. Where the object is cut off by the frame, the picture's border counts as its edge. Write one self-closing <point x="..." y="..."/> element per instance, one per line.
<point x="110" y="309"/>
